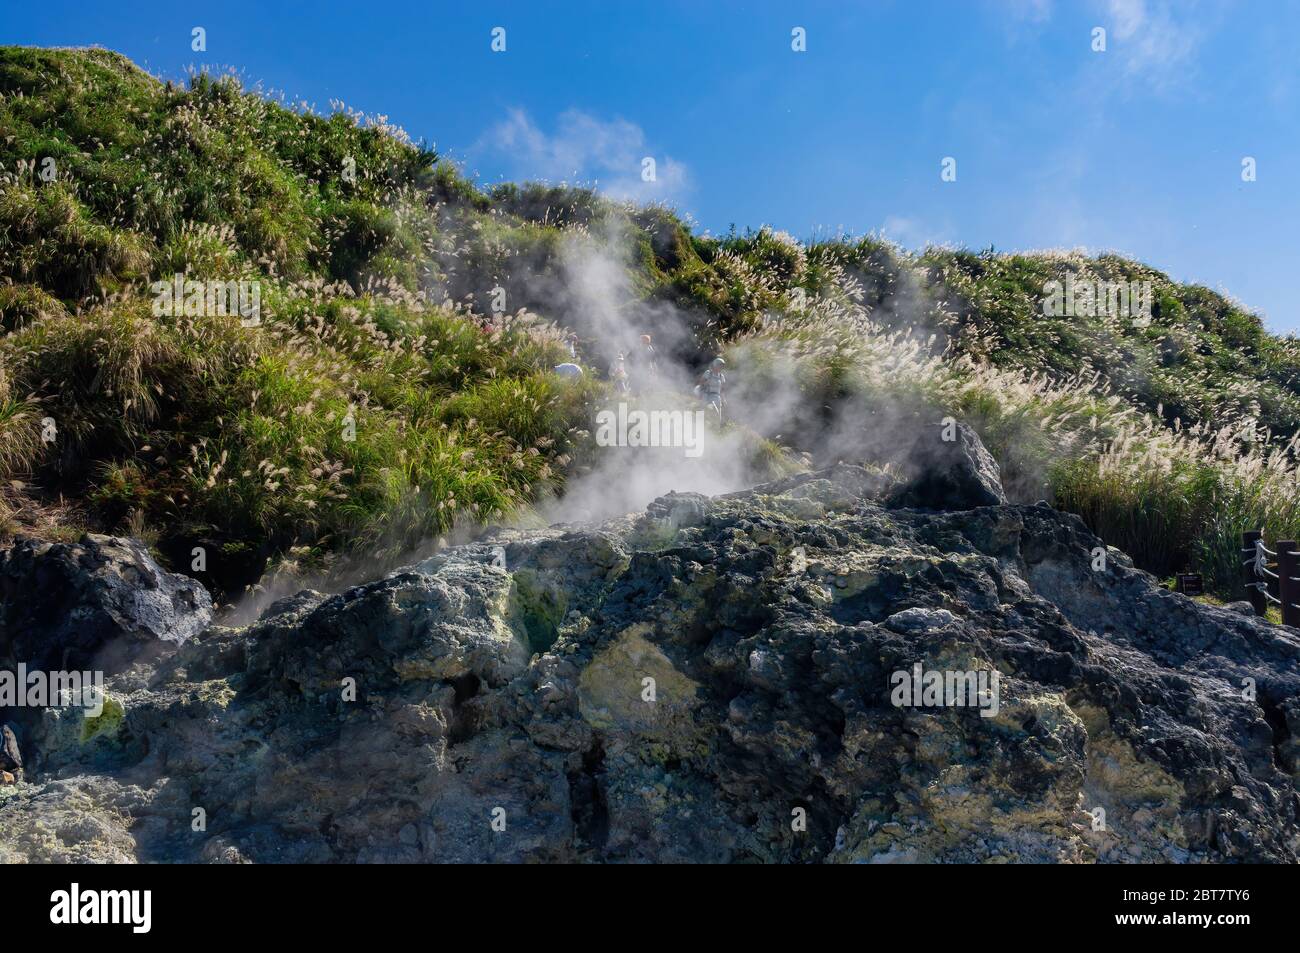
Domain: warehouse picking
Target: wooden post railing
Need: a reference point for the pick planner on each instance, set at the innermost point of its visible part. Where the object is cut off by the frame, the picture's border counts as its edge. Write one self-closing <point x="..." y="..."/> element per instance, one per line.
<point x="1275" y="581"/>
<point x="1288" y="582"/>
<point x="1253" y="581"/>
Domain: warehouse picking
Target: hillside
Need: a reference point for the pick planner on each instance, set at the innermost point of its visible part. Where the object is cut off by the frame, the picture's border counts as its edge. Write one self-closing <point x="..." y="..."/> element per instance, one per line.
<point x="397" y="387"/>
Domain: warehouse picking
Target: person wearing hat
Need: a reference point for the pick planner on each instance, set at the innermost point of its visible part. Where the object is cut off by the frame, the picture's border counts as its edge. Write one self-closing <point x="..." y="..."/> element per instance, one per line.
<point x="711" y="382"/>
<point x="618" y="374"/>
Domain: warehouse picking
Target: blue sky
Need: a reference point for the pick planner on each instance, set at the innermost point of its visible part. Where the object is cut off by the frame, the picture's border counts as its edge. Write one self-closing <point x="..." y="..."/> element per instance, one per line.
<point x="1137" y="149"/>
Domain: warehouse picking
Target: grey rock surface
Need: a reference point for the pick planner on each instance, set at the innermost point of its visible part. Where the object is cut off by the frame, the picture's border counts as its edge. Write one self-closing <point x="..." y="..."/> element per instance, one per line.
<point x="710" y="681"/>
<point x="98" y="604"/>
<point x="950" y="474"/>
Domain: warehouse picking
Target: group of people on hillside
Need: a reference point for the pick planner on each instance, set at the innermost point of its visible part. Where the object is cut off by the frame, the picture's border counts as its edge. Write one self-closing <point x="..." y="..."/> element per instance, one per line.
<point x="637" y="372"/>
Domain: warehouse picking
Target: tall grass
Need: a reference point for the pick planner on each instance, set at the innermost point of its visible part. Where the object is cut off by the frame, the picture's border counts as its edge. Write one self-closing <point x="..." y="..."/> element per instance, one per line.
<point x="1174" y="498"/>
<point x="338" y="424"/>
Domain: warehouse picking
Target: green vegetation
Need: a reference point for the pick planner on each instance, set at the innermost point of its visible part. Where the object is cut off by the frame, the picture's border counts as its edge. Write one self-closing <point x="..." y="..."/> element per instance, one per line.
<point x="1169" y="438"/>
<point x="379" y="403"/>
<point x="358" y="415"/>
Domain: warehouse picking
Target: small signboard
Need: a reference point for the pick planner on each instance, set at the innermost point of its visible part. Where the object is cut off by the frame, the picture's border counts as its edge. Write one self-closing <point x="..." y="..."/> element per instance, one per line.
<point x="1190" y="583"/>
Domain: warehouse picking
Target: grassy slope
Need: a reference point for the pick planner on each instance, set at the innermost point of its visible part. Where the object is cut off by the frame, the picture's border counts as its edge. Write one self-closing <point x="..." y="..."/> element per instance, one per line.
<point x="210" y="433"/>
<point x="196" y="430"/>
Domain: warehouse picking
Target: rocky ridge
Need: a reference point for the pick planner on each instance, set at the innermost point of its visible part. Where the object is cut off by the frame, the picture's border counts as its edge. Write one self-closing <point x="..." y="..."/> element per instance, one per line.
<point x="710" y="681"/>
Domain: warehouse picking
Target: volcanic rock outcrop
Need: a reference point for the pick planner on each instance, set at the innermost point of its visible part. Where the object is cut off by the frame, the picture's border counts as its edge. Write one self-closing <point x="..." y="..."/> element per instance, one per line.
<point x="949" y="468"/>
<point x="101" y="603"/>
<point x="712" y="680"/>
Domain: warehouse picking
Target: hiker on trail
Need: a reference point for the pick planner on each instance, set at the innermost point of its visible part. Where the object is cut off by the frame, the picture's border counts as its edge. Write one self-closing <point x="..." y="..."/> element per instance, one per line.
<point x="711" y="382"/>
<point x="571" y="342"/>
<point x="645" y="365"/>
<point x="618" y="374"/>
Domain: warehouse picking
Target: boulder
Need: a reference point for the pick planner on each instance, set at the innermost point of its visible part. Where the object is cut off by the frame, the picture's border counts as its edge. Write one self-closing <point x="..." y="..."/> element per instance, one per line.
<point x="949" y="474"/>
<point x="678" y="510"/>
<point x="98" y="604"/>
